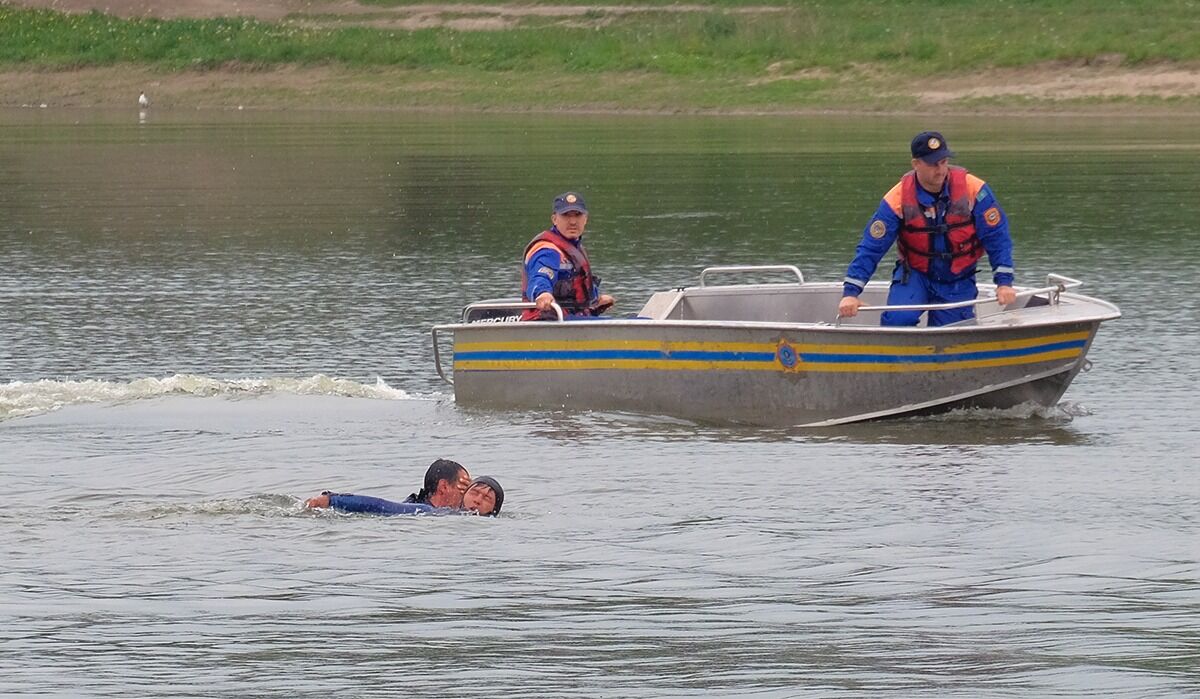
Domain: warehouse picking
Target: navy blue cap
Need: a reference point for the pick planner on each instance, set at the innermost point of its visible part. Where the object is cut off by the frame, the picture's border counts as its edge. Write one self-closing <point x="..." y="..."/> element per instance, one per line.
<point x="569" y="201"/>
<point x="931" y="147"/>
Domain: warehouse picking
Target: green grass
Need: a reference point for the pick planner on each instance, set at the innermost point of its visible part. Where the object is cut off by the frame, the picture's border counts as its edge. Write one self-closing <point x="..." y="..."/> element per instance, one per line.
<point x="908" y="38"/>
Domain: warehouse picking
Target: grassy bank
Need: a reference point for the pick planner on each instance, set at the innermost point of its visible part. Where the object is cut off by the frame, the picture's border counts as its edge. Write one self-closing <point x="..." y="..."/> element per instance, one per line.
<point x="723" y="55"/>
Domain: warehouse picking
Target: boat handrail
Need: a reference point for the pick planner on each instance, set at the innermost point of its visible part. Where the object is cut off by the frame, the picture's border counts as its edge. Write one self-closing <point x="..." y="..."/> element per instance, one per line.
<point x="437" y="355"/>
<point x="514" y="305"/>
<point x="754" y="268"/>
<point x="1056" y="284"/>
<point x="483" y="305"/>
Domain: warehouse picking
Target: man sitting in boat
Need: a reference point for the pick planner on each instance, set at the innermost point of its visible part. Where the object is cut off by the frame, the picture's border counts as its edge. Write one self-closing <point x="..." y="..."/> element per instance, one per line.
<point x="943" y="219"/>
<point x="556" y="266"/>
<point x="483" y="496"/>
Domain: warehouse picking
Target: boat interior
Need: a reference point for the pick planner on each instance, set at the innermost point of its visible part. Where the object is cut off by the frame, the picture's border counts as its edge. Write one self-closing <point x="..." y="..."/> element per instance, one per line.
<point x="794" y="301"/>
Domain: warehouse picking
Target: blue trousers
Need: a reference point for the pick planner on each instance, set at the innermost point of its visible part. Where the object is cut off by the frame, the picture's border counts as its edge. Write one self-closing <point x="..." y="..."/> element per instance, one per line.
<point x="913" y="288"/>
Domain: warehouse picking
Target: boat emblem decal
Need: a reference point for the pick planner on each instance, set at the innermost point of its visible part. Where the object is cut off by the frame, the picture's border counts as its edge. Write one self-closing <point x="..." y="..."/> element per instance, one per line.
<point x="992" y="216"/>
<point x="878" y="229"/>
<point x="787" y="355"/>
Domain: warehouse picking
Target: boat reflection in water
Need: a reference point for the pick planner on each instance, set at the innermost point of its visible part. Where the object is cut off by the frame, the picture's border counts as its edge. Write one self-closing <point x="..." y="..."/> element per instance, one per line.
<point x="776" y="354"/>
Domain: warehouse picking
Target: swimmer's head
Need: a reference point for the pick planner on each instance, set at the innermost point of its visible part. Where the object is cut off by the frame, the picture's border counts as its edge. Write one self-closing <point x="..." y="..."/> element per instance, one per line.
<point x="445" y="483"/>
<point x="484" y="496"/>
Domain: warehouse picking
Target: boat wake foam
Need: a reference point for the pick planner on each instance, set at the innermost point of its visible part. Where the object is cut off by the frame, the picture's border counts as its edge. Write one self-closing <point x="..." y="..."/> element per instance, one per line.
<point x="24" y="398"/>
<point x="263" y="506"/>
<point x="266" y="505"/>
<point x="1063" y="412"/>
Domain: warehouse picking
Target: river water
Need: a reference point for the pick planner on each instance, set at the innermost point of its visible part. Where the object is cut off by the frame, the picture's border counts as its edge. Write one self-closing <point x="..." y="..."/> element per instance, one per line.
<point x="206" y="317"/>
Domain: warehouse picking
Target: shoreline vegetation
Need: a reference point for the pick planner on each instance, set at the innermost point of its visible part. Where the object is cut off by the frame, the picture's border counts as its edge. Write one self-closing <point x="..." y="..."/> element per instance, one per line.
<point x="715" y="56"/>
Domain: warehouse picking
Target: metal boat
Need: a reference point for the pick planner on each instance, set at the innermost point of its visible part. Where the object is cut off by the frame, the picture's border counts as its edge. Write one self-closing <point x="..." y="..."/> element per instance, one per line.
<point x="775" y="353"/>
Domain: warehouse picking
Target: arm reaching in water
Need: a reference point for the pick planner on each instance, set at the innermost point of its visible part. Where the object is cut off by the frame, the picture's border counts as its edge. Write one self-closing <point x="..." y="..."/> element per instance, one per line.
<point x="320" y="502"/>
<point x="345" y="502"/>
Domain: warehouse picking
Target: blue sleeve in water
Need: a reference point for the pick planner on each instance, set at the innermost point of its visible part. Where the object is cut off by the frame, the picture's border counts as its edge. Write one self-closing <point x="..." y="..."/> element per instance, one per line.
<point x="379" y="506"/>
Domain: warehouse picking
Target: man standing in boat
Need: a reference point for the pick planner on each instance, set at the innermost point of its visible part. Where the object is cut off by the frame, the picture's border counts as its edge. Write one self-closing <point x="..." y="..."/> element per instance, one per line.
<point x="943" y="219"/>
<point x="556" y="266"/>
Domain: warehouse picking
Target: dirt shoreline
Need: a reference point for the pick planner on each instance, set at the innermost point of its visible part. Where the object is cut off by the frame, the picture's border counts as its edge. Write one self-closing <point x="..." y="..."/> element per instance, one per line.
<point x="1051" y="90"/>
<point x="1101" y="86"/>
<point x="460" y="16"/>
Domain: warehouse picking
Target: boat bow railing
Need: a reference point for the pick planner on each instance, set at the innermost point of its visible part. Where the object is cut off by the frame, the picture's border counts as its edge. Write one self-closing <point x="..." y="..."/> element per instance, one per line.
<point x="752" y="268"/>
<point x="466" y="313"/>
<point x="1056" y="284"/>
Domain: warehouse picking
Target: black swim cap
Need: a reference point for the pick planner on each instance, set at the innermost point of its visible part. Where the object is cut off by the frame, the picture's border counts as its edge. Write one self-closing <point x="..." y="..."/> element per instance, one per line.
<point x="495" y="486"/>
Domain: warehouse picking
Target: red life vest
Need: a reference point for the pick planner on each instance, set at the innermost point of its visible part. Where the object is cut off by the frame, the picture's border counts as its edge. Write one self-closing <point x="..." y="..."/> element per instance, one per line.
<point x="916" y="246"/>
<point x="572" y="288"/>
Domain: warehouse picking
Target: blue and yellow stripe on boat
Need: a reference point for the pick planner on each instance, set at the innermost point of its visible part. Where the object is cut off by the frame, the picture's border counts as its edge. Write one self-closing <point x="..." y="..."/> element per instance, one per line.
<point x="570" y="355"/>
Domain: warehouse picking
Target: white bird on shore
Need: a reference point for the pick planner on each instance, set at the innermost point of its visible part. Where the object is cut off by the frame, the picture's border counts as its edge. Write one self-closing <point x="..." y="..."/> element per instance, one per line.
<point x="143" y="101"/>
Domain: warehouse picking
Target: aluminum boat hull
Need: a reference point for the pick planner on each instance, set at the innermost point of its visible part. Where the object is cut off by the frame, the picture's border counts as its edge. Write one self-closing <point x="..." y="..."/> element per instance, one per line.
<point x="774" y="373"/>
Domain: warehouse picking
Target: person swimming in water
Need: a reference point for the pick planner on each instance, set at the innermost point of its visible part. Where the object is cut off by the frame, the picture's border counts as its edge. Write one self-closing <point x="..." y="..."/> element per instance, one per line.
<point x="483" y="497"/>
<point x="445" y="483"/>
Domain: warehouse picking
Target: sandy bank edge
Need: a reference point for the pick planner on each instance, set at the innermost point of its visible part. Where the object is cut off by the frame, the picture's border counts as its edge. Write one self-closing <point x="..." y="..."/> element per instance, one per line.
<point x="1079" y="90"/>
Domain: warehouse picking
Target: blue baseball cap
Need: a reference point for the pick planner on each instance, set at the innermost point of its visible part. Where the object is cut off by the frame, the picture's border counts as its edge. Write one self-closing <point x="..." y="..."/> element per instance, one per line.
<point x="931" y="147"/>
<point x="569" y="201"/>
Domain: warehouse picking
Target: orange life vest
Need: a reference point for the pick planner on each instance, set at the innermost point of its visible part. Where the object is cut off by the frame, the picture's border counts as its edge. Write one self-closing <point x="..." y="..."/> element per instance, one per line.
<point x="572" y="288"/>
<point x="916" y="241"/>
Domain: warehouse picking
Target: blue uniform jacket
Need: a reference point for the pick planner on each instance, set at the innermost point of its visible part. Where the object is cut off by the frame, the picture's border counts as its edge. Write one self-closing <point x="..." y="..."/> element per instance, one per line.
<point x="995" y="239"/>
<point x="541" y="271"/>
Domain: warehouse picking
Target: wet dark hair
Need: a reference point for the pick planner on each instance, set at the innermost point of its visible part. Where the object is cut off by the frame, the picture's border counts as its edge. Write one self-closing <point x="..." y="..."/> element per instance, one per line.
<point x="495" y="486"/>
<point x="438" y="471"/>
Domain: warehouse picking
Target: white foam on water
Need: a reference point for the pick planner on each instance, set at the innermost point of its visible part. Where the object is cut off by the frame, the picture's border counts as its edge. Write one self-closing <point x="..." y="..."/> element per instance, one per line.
<point x="24" y="398"/>
<point x="266" y="505"/>
<point x="1063" y="412"/>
